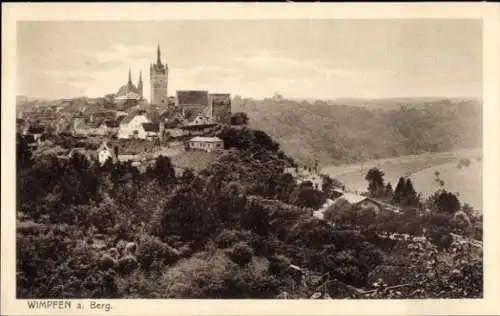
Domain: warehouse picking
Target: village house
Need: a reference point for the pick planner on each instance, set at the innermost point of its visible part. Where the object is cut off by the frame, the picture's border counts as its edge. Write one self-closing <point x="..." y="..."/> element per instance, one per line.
<point x="138" y="124"/>
<point x="94" y="128"/>
<point x="207" y="144"/>
<point x="360" y="201"/>
<point x="105" y="152"/>
<point x="200" y="120"/>
<point x="193" y="103"/>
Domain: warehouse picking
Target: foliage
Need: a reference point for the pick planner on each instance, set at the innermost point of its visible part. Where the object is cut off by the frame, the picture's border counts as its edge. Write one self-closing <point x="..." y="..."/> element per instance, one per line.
<point x="163" y="171"/>
<point x="344" y="132"/>
<point x="241" y="253"/>
<point x="239" y="118"/>
<point x="231" y="230"/>
<point x="376" y="184"/>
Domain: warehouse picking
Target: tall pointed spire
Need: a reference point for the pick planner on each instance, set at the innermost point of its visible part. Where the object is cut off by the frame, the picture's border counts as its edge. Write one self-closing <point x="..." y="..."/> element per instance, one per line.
<point x="129" y="82"/>
<point x="139" y="84"/>
<point x="158" y="53"/>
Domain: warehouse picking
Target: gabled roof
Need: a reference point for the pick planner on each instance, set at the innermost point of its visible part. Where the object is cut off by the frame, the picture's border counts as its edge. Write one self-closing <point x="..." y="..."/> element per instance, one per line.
<point x="351" y="198"/>
<point x="205" y="139"/>
<point x="192" y="97"/>
<point x="131" y="116"/>
<point x="355" y="198"/>
<point x="151" y="127"/>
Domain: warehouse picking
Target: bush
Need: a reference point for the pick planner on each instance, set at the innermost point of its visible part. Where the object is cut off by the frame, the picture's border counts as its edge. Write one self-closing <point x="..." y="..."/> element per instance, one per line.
<point x="153" y="254"/>
<point x="227" y="238"/>
<point x="241" y="253"/>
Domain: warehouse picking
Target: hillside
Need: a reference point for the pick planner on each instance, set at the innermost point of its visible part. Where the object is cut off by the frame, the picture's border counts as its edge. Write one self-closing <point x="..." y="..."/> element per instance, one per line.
<point x="334" y="133"/>
<point x="239" y="227"/>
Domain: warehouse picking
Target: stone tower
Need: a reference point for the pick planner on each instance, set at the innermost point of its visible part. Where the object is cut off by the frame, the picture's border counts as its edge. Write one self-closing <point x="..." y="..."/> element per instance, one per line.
<point x="158" y="79"/>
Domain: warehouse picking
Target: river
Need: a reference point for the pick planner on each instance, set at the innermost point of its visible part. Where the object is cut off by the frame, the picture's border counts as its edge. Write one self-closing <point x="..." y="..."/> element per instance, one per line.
<point x="466" y="181"/>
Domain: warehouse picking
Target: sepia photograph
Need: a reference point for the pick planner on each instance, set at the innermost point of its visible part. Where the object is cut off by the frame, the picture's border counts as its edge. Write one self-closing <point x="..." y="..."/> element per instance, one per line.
<point x="269" y="159"/>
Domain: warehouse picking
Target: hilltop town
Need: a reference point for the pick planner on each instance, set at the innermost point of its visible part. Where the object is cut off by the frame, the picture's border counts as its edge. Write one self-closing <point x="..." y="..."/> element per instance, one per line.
<point x="126" y="125"/>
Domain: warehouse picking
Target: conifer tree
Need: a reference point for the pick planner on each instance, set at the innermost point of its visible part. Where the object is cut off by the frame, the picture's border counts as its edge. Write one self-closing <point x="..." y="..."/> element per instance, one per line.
<point x="400" y="190"/>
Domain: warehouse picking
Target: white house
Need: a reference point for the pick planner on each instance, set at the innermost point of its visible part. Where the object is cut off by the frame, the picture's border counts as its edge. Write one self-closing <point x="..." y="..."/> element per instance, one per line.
<point x="207" y="144"/>
<point x="104" y="152"/>
<point x="132" y="126"/>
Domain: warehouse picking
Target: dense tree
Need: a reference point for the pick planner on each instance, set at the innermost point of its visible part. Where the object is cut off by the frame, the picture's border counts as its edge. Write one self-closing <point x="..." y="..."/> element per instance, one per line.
<point x="447" y="202"/>
<point x="241" y="253"/>
<point x="185" y="214"/>
<point x="163" y="171"/>
<point x="24" y="155"/>
<point x="400" y="190"/>
<point x="375" y="178"/>
<point x="307" y="196"/>
<point x="389" y="192"/>
<point x="410" y="196"/>
<point x="239" y="118"/>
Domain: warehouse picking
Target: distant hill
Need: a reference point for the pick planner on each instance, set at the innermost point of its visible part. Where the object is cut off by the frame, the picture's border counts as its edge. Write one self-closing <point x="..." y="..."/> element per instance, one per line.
<point x="344" y="131"/>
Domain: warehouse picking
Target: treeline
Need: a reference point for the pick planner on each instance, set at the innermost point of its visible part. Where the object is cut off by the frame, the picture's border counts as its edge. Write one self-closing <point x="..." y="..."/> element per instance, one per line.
<point x="346" y="134"/>
<point x="229" y="231"/>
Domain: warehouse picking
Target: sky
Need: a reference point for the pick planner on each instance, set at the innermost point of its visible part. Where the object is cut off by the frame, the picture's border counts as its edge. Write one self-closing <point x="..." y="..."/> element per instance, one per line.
<point x="320" y="58"/>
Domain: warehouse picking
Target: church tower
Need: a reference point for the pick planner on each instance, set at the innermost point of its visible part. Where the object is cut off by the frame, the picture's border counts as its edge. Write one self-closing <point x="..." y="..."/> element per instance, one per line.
<point x="158" y="79"/>
<point x="139" y="85"/>
<point x="130" y="85"/>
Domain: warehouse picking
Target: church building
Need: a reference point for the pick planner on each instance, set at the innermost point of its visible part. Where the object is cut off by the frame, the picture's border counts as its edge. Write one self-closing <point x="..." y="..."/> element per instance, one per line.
<point x="130" y="90"/>
<point x="158" y="78"/>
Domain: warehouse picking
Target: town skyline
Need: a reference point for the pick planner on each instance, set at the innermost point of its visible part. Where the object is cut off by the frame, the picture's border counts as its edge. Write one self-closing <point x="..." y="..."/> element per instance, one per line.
<point x="326" y="59"/>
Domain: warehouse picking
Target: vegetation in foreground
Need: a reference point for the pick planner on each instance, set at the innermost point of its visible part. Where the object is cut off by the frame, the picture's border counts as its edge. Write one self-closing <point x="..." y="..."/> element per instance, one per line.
<point x="231" y="230"/>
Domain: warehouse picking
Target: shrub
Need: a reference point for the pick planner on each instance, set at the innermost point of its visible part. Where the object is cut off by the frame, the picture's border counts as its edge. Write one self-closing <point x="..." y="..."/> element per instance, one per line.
<point x="152" y="253"/>
<point x="241" y="253"/>
<point x="227" y="238"/>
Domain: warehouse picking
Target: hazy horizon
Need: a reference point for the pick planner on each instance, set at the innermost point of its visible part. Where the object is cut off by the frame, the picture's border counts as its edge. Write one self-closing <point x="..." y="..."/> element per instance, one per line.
<point x="300" y="59"/>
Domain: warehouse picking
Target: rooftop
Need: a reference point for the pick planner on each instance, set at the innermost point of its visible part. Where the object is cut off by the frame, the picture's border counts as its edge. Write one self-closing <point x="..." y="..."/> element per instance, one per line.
<point x="351" y="198"/>
<point x="151" y="127"/>
<point x="205" y="139"/>
<point x="192" y="97"/>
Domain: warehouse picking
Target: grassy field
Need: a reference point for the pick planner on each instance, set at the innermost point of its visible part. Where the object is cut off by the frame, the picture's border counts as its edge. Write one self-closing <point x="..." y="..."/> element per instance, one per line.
<point x="195" y="159"/>
<point x="421" y="169"/>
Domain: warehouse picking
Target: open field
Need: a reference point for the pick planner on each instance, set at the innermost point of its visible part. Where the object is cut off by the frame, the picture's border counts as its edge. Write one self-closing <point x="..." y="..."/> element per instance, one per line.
<point x="195" y="159"/>
<point x="421" y="168"/>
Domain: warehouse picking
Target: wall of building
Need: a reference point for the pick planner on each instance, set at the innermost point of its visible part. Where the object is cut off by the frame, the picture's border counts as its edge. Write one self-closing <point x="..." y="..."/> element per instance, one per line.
<point x="206" y="146"/>
<point x="159" y="89"/>
<point x="221" y="107"/>
<point x="127" y="129"/>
